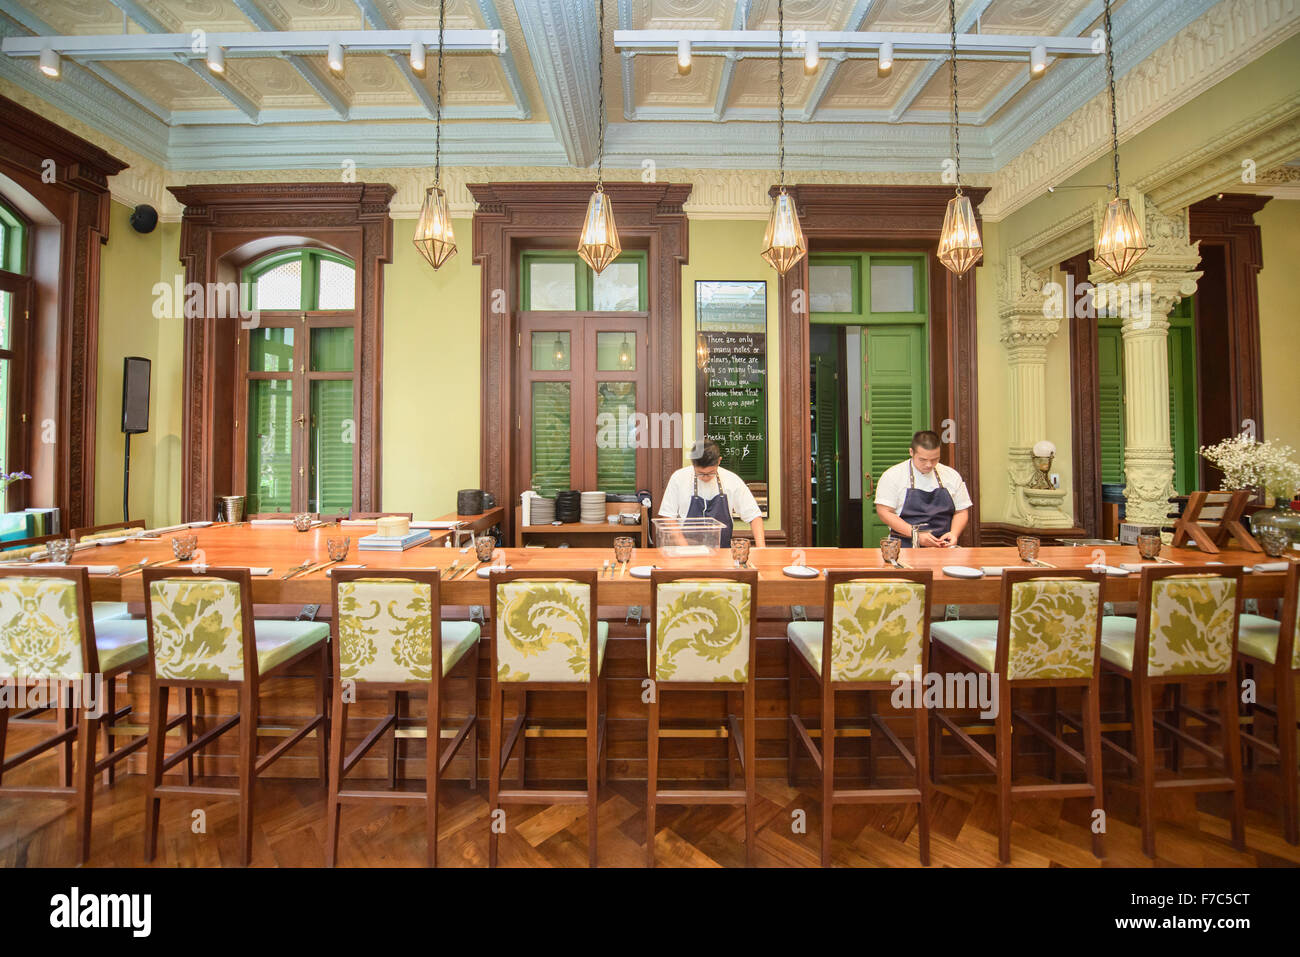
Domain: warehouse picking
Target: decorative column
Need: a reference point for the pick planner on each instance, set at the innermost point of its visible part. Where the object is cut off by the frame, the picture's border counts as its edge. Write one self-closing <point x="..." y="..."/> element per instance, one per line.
<point x="1031" y="318"/>
<point x="1143" y="300"/>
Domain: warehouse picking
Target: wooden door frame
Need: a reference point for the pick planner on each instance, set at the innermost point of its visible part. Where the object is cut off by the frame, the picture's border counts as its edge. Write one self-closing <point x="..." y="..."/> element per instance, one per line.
<point x="219" y="219"/>
<point x="1085" y="415"/>
<point x="514" y="216"/>
<point x="906" y="218"/>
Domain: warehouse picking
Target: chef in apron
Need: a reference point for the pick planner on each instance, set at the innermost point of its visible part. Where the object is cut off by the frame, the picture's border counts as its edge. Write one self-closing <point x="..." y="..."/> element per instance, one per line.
<point x="920" y="492"/>
<point x="704" y="489"/>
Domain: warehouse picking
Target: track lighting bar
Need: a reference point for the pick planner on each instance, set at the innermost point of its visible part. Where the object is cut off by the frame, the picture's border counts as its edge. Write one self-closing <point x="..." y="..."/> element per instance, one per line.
<point x="155" y="46"/>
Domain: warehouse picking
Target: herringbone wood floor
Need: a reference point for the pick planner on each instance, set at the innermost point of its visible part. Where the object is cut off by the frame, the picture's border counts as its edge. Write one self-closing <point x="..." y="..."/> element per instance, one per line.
<point x="290" y="830"/>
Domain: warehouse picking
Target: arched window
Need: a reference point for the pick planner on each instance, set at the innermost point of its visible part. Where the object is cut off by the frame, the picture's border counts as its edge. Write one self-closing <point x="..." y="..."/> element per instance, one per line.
<point x="15" y="296"/>
<point x="299" y="361"/>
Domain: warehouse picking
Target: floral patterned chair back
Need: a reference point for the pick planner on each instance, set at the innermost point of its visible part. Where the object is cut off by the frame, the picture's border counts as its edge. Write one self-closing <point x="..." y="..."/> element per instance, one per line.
<point x="197" y="629"/>
<point x="544" y="630"/>
<point x="40" y="629"/>
<point x="702" y="630"/>
<point x="1052" y="628"/>
<point x="385" y="630"/>
<point x="1193" y="625"/>
<point x="877" y="629"/>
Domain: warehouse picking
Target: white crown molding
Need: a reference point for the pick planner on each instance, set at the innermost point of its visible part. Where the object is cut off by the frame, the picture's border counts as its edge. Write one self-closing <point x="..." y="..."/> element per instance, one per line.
<point x="560" y="35"/>
<point x="1226" y="38"/>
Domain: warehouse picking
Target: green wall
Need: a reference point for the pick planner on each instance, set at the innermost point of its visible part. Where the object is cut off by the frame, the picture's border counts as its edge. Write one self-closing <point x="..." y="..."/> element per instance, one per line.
<point x="1279" y="319"/>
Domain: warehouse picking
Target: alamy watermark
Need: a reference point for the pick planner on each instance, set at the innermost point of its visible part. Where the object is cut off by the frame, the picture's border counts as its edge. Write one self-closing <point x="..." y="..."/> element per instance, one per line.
<point x="1086" y="300"/>
<point x="212" y="300"/>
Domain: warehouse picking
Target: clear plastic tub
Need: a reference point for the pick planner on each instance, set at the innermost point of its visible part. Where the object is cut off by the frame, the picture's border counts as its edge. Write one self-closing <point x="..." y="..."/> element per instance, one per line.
<point x="687" y="537"/>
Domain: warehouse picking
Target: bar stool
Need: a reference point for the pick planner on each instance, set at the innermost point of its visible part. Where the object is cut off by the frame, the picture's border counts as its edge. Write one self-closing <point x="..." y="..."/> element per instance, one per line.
<point x="545" y="639"/>
<point x="1046" y="636"/>
<point x="202" y="635"/>
<point x="48" y="634"/>
<point x="875" y="630"/>
<point x="1185" y="634"/>
<point x="1275" y="647"/>
<point x="383" y="641"/>
<point x="93" y="533"/>
<point x="700" y="638"/>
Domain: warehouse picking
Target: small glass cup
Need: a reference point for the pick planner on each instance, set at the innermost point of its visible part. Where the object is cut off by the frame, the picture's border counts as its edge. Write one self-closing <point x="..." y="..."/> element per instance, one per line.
<point x="60" y="550"/>
<point x="483" y="547"/>
<point x="303" y="521"/>
<point x="1274" y="541"/>
<point x="623" y="549"/>
<point x="890" y="549"/>
<point x="1148" y="543"/>
<point x="1027" y="546"/>
<point x="740" y="550"/>
<point x="337" y="548"/>
<point x="183" y="546"/>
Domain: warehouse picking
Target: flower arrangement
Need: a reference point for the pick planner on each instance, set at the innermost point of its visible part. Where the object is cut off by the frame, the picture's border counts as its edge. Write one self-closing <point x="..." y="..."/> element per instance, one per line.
<point x="8" y="478"/>
<point x="1247" y="463"/>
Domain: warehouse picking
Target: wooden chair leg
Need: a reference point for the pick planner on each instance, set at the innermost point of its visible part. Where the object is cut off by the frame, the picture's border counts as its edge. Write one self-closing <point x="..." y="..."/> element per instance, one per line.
<point x="1175" y="699"/>
<point x="593" y="769"/>
<point x="1286" y="744"/>
<point x="828" y="768"/>
<point x="1232" y="756"/>
<point x="1251" y="713"/>
<point x="472" y="739"/>
<point x="871" y="738"/>
<point x="1002" y="726"/>
<point x="106" y="722"/>
<point x="1092" y="756"/>
<point x="495" y="707"/>
<point x="189" y="734"/>
<point x="751" y="851"/>
<point x="66" y="719"/>
<point x="602" y="756"/>
<point x="522" y="746"/>
<point x="936" y="745"/>
<point x="1145" y="738"/>
<point x="323" y="709"/>
<point x="652" y="773"/>
<point x="156" y="747"/>
<point x="432" y="757"/>
<point x="333" y="807"/>
<point x="4" y="733"/>
<point x="87" y="731"/>
<point x="395" y="701"/>
<point x="921" y="721"/>
<point x="792" y="745"/>
<point x="1055" y="724"/>
<point x="247" y="771"/>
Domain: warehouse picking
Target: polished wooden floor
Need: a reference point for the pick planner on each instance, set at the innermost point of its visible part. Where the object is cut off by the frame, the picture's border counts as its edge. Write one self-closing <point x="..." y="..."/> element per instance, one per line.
<point x="290" y="830"/>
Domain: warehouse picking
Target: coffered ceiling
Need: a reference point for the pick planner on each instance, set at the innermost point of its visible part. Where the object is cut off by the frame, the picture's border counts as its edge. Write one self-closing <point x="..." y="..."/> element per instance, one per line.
<point x="536" y="103"/>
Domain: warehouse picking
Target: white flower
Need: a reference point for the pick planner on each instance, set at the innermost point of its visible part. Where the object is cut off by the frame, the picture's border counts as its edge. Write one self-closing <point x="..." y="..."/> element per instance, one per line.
<point x="1247" y="463"/>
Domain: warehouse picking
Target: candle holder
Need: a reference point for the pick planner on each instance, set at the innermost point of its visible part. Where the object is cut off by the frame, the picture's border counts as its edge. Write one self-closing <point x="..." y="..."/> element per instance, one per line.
<point x="183" y="546"/>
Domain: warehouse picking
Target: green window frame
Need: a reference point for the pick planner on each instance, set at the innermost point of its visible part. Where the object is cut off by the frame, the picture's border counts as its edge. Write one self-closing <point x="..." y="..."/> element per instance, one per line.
<point x="15" y="300"/>
<point x="309" y="296"/>
<point x="13" y="241"/>
<point x="584" y="276"/>
<point x="860" y="264"/>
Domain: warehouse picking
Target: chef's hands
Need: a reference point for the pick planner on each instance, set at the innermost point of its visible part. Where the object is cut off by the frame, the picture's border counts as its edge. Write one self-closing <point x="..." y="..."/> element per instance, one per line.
<point x="948" y="539"/>
<point x="926" y="540"/>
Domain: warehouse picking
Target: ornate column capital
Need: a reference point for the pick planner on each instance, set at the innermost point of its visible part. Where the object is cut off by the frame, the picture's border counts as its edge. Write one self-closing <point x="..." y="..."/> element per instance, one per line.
<point x="1030" y="316"/>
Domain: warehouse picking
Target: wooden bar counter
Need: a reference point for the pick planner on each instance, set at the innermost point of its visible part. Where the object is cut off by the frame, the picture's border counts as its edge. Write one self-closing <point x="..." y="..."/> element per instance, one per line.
<point x="561" y="758"/>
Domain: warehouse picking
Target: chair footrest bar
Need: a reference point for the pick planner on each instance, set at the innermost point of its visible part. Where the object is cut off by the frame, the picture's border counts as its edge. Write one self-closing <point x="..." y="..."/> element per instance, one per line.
<point x="193" y="790"/>
<point x="1192" y="742"/>
<point x="538" y="796"/>
<point x="1051" y="738"/>
<point x="701" y="796"/>
<point x="200" y="742"/>
<point x="388" y="797"/>
<point x="893" y="739"/>
<point x="876" y="796"/>
<point x="1053" y="790"/>
<point x="33" y="791"/>
<point x="368" y="742"/>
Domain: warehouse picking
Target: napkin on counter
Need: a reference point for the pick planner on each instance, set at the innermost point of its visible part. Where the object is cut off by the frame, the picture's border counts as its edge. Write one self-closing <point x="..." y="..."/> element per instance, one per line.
<point x="1270" y="567"/>
<point x="102" y="569"/>
<point x="271" y="521"/>
<point x="992" y="569"/>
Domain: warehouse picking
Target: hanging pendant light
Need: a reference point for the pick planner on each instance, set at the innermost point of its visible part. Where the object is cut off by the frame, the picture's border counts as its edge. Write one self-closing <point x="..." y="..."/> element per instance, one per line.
<point x="559" y="349"/>
<point x="783" y="242"/>
<point x="625" y="353"/>
<point x="1121" y="243"/>
<point x="701" y="351"/>
<point x="598" y="245"/>
<point x="960" y="246"/>
<point x="434" y="237"/>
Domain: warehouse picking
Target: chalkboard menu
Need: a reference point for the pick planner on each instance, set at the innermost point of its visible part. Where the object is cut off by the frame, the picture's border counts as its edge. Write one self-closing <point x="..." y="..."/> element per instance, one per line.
<point x="731" y="375"/>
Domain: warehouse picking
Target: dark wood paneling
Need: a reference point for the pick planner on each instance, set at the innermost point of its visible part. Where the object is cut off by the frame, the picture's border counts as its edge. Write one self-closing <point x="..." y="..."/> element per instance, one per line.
<point x="1084" y="414"/>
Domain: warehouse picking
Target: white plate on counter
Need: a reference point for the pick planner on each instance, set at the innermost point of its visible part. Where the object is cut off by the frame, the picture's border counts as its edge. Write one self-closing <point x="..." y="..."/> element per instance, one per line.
<point x="800" y="571"/>
<point x="1268" y="567"/>
<point x="1112" y="571"/>
<point x="197" y="524"/>
<point x="487" y="570"/>
<point x="640" y="571"/>
<point x="962" y="571"/>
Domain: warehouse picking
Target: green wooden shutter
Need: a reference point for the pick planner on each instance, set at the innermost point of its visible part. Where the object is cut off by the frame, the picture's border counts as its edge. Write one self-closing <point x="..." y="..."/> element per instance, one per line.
<point x="552" y="442"/>
<point x="826" y="451"/>
<point x="1182" y="396"/>
<point x="895" y="400"/>
<point x="333" y="438"/>
<point x="1110" y="402"/>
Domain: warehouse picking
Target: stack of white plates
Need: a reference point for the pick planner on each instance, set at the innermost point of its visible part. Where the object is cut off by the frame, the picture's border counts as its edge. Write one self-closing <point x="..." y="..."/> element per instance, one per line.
<point x="542" y="511"/>
<point x="593" y="508"/>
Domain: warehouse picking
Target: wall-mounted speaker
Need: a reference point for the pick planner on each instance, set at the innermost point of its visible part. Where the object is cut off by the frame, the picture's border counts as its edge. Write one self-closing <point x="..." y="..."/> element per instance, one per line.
<point x="135" y="394"/>
<point x="144" y="218"/>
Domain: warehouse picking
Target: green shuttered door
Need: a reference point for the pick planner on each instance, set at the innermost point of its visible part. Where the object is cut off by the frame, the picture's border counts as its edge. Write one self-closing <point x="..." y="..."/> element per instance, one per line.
<point x="894" y="398"/>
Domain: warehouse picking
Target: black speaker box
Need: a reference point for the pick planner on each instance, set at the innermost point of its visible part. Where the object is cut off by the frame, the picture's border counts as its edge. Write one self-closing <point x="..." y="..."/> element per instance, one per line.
<point x="135" y="394"/>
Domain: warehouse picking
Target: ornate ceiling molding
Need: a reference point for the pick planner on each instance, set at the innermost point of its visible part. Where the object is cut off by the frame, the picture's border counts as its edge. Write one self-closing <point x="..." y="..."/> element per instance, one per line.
<point x="560" y="39"/>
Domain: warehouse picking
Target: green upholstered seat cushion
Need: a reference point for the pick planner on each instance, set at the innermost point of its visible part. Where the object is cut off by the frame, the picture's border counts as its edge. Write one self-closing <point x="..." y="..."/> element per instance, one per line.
<point x="806" y="636"/>
<point x="458" y="637"/>
<point x="976" y="640"/>
<point x="1118" y="635"/>
<point x="278" y="641"/>
<point x="121" y="641"/>
<point x="108" y="610"/>
<point x="1257" y="637"/>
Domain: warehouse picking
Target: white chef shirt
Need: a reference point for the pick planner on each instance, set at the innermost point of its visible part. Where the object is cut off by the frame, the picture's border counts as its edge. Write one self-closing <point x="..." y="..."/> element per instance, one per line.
<point x="677" y="496"/>
<point x="893" y="484"/>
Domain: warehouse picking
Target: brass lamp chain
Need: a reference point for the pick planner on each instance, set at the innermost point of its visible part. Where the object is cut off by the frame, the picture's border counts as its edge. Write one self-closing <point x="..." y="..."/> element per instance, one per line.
<point x="780" y="90"/>
<point x="952" y="62"/>
<point x="600" y="96"/>
<point x="437" y="109"/>
<point x="1114" y="121"/>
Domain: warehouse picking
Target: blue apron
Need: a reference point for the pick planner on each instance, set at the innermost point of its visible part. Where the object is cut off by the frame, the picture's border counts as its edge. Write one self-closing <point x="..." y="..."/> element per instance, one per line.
<point x="933" y="509"/>
<point x="716" y="507"/>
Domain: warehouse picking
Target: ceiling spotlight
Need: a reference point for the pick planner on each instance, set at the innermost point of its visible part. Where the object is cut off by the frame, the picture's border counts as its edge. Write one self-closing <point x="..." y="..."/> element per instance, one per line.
<point x="335" y="56"/>
<point x="50" y="63"/>
<point x="216" y="59"/>
<point x="1038" y="60"/>
<point x="417" y="58"/>
<point x="810" y="57"/>
<point x="683" y="56"/>
<point x="886" y="61"/>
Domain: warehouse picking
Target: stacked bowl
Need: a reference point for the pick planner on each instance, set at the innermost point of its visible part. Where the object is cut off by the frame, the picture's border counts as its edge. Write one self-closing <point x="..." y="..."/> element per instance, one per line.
<point x="593" y="508"/>
<point x="568" y="506"/>
<point x="542" y="511"/>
